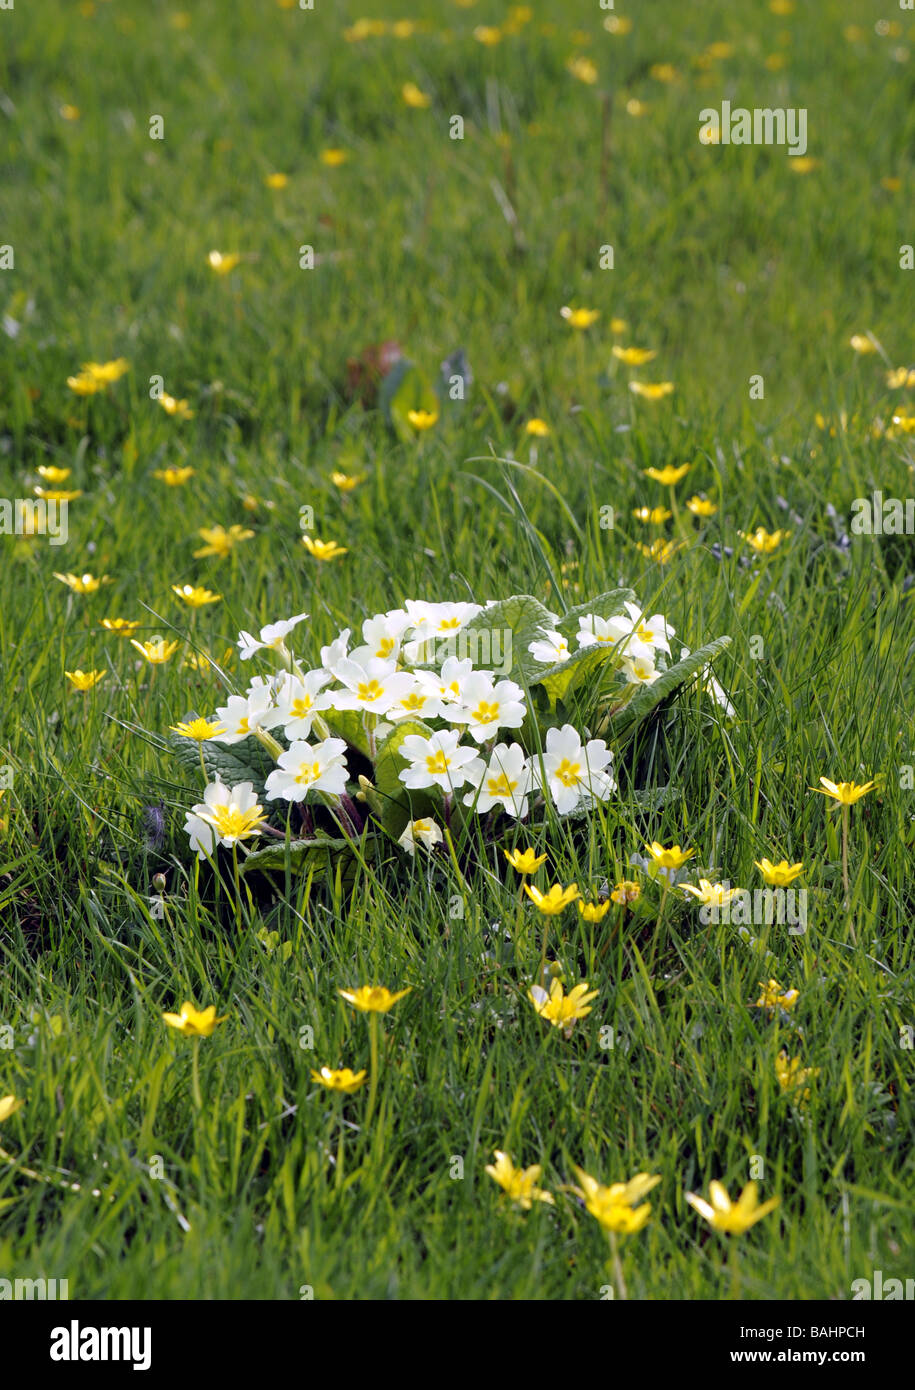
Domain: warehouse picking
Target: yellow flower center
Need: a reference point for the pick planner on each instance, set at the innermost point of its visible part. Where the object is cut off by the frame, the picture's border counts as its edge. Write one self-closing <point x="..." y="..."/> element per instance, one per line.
<point x="231" y="821"/>
<point x="308" y="772"/>
<point x="301" y="707"/>
<point x="500" y="786"/>
<point x="385" y="646"/>
<point x="449" y="624"/>
<point x="369" y="690"/>
<point x="568" y="773"/>
<point x="485" y="712"/>
<point x="437" y="763"/>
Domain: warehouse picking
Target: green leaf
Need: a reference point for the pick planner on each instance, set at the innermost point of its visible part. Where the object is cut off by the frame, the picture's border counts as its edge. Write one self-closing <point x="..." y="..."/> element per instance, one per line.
<point x="648" y="697"/>
<point x="399" y="804"/>
<point x="525" y="618"/>
<point x="323" y="851"/>
<point x="247" y="761"/>
<point x="567" y="676"/>
<point x="347" y="724"/>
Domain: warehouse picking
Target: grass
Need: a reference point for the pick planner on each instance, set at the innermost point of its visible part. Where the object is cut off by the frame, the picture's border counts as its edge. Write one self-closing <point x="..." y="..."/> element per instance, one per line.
<point x="729" y="263"/>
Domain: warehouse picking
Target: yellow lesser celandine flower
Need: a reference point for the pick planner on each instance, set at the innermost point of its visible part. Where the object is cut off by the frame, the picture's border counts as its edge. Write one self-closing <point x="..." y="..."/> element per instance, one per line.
<point x="803" y="164"/>
<point x="891" y="183"/>
<point x="323" y="550"/>
<point x="222" y="263"/>
<point x="633" y="356"/>
<point x="560" y="1009"/>
<point x="56" y="494"/>
<point x="763" y="541"/>
<point x="84" y="680"/>
<point x="84" y="384"/>
<point x="121" y="627"/>
<point x="107" y="372"/>
<point x="791" y="1076"/>
<point x="373" y="999"/>
<point x="8" y="1106"/>
<point x="616" y="1207"/>
<point x="180" y="409"/>
<point x="333" y="158"/>
<point x="519" y="1183"/>
<point x="778" y="875"/>
<point x="846" y="793"/>
<point x="199" y="729"/>
<point x="156" y="650"/>
<point x="673" y="858"/>
<point x="194" y="1023"/>
<point x="554" y="901"/>
<point x="403" y="28"/>
<point x="345" y="1079"/>
<point x="414" y="96"/>
<point x="593" y="912"/>
<point x="52" y="474"/>
<point x="584" y="69"/>
<point x="663" y="72"/>
<point x="626" y="891"/>
<point x="219" y="541"/>
<point x="618" y="326"/>
<point x="487" y="34"/>
<point x="526" y="861"/>
<point x="669" y="474"/>
<point x="659" y="550"/>
<point x="899" y="376"/>
<point x="618" y="24"/>
<point x="173" y="477"/>
<point x="579" y="318"/>
<point x="69" y="112"/>
<point x="863" y="343"/>
<point x="711" y="894"/>
<point x="82" y="583"/>
<point x="701" y="506"/>
<point x="652" y="516"/>
<point x="346" y="482"/>
<point x="774" y="997"/>
<point x="732" y="1218"/>
<point x="276" y="180"/>
<point x="652" y="390"/>
<point x="422" y="419"/>
<point x="537" y="427"/>
<point x="195" y="597"/>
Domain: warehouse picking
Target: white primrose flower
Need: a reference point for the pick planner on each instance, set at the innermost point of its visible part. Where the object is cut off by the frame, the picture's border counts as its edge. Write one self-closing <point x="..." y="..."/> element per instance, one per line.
<point x="487" y="707"/>
<point x="375" y="687"/>
<point x="434" y="621"/>
<point x="504" y="781"/>
<point x="423" y="832"/>
<point x="272" y="637"/>
<point x="642" y="635"/>
<point x="594" y="630"/>
<point x="305" y="768"/>
<point x="298" y="700"/>
<point x="418" y="703"/>
<point x="245" y="713"/>
<point x="336" y="651"/>
<point x="448" y="685"/>
<point x="439" y="761"/>
<point x="382" y="636"/>
<point x="225" y="816"/>
<point x="573" y="773"/>
<point x="551" y="649"/>
<point x="640" y="670"/>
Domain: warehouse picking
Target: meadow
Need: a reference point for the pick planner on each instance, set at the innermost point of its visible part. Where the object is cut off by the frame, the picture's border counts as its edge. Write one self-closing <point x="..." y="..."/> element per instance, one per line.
<point x="254" y="274"/>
